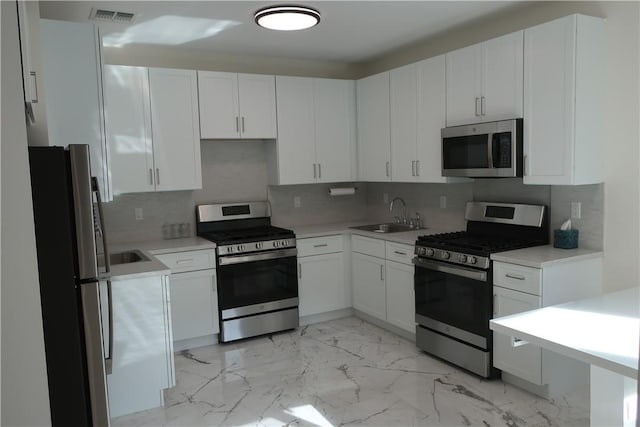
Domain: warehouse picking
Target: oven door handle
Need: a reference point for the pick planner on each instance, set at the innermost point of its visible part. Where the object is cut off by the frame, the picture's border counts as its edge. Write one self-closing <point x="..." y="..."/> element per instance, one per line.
<point x="239" y="259"/>
<point x="458" y="271"/>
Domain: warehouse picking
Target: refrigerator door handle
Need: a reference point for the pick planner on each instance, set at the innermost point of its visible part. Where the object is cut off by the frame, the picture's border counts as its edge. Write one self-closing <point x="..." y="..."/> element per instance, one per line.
<point x="108" y="361"/>
<point x="90" y="294"/>
<point x="100" y="225"/>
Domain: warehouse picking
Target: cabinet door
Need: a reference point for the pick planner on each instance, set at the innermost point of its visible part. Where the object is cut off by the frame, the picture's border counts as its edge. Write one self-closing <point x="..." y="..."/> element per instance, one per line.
<point x="194" y="304"/>
<point x="128" y="126"/>
<point x="523" y="361"/>
<point x="321" y="283"/>
<point x="464" y="85"/>
<point x="404" y="106"/>
<point x="257" y="99"/>
<point x="549" y="94"/>
<point x="430" y="119"/>
<point x="218" y="102"/>
<point x="296" y="133"/>
<point x="401" y="306"/>
<point x="368" y="281"/>
<point x="139" y="348"/>
<point x="374" y="146"/>
<point x="176" y="135"/>
<point x="502" y="71"/>
<point x="334" y="102"/>
<point x="72" y="83"/>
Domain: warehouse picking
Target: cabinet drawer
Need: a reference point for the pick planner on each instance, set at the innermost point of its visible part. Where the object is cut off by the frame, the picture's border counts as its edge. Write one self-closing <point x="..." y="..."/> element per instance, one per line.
<point x="399" y="252"/>
<point x="189" y="260"/>
<point x="367" y="246"/>
<point x="518" y="277"/>
<point x="319" y="245"/>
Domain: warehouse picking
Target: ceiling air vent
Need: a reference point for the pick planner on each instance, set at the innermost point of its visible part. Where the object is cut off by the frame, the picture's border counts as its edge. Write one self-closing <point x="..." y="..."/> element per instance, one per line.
<point x="111" y="16"/>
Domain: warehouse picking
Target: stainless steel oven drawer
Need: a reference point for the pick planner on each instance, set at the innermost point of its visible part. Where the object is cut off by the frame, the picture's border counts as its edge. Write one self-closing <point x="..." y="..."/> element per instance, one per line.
<point x="260" y="324"/>
<point x="465" y="356"/>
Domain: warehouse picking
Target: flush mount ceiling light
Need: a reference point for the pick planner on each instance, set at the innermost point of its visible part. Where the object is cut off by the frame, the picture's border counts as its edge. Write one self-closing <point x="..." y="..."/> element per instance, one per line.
<point x="287" y="17"/>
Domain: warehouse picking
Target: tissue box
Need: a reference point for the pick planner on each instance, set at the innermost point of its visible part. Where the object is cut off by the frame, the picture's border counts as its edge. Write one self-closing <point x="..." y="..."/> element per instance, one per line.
<point x="565" y="239"/>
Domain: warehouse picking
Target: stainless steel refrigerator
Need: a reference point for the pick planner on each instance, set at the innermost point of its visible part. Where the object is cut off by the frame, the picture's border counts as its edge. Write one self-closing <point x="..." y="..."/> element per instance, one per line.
<point x="76" y="315"/>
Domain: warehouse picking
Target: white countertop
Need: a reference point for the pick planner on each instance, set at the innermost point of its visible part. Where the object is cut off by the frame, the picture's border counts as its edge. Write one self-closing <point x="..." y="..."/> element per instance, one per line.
<point x="406" y="237"/>
<point x="153" y="267"/>
<point x="602" y="331"/>
<point x="544" y="256"/>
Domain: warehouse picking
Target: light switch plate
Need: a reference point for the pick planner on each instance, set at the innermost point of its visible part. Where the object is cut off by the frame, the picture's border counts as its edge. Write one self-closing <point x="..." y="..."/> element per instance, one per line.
<point x="385" y="198"/>
<point x="139" y="214"/>
<point x="443" y="202"/>
<point x="297" y="202"/>
<point x="576" y="210"/>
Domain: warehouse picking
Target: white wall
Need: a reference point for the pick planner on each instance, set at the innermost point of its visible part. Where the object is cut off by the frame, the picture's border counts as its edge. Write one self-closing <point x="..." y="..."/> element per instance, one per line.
<point x="25" y="396"/>
<point x="622" y="144"/>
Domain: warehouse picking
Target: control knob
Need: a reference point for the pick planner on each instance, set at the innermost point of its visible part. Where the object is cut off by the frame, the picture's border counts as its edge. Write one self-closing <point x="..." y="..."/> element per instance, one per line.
<point x="276" y="243"/>
<point x="230" y="249"/>
<point x="258" y="245"/>
<point x="473" y="260"/>
<point x="445" y="255"/>
<point x="240" y="248"/>
<point x="430" y="252"/>
<point x="422" y="251"/>
<point x="284" y="243"/>
<point x="462" y="258"/>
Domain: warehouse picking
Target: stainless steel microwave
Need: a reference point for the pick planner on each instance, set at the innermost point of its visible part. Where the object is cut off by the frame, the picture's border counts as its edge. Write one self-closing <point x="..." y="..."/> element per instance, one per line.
<point x="483" y="150"/>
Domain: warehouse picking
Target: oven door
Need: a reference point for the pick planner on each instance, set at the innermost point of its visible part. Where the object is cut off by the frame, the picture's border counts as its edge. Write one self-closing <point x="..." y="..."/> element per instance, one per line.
<point x="262" y="280"/>
<point x="454" y="300"/>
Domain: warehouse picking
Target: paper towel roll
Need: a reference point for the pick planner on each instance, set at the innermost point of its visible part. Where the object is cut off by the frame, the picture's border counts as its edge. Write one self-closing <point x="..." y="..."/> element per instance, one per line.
<point x="345" y="191"/>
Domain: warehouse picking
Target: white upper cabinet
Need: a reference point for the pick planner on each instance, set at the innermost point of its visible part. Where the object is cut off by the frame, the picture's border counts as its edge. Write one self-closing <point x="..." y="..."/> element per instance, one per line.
<point x="417" y="98"/>
<point x="403" y="95"/>
<point x="316" y="131"/>
<point x="176" y="137"/>
<point x="234" y="106"/>
<point x="374" y="147"/>
<point x="152" y="129"/>
<point x="484" y="81"/>
<point x="128" y="124"/>
<point x="563" y="97"/>
<point x="72" y="81"/>
<point x="335" y="129"/>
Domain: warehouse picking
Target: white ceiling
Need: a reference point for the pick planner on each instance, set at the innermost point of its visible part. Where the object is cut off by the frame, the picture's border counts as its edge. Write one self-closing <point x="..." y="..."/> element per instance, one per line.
<point x="350" y="31"/>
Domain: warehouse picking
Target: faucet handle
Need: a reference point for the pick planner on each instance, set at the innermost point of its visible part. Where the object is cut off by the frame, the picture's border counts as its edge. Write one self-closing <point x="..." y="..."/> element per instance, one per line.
<point x="397" y="219"/>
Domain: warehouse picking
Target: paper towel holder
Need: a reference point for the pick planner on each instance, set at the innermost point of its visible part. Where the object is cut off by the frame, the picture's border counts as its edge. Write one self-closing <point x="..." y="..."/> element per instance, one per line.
<point x="342" y="191"/>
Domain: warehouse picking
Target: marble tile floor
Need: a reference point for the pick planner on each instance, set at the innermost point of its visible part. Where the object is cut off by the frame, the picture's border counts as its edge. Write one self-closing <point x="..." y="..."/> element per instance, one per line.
<point x="342" y="373"/>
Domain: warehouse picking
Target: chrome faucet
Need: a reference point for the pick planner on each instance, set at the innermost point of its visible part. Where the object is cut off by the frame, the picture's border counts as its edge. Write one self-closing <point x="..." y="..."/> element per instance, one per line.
<point x="404" y="210"/>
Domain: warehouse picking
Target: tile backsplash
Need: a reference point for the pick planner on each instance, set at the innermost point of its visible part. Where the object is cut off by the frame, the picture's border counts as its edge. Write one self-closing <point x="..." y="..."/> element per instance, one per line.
<point x="237" y="171"/>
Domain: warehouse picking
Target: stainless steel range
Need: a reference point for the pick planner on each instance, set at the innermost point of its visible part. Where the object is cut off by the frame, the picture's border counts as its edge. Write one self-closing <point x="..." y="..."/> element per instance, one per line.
<point x="454" y="284"/>
<point x="256" y="268"/>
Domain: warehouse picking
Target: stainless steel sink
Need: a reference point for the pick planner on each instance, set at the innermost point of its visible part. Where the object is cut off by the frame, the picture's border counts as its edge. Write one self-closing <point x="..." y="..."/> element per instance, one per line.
<point x="127" y="257"/>
<point x="390" y="227"/>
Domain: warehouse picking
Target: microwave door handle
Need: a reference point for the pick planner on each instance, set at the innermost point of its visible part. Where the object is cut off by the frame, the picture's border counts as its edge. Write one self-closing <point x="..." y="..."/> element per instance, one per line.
<point x="490" y="143"/>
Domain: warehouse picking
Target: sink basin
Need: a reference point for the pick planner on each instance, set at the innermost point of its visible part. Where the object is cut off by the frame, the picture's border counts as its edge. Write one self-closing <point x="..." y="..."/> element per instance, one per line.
<point x="390" y="227"/>
<point x="127" y="257"/>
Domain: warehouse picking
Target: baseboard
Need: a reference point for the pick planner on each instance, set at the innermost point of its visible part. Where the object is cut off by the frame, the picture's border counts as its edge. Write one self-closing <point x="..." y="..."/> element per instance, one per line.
<point x="191" y="343"/>
<point x="324" y="317"/>
<point x="385" y="325"/>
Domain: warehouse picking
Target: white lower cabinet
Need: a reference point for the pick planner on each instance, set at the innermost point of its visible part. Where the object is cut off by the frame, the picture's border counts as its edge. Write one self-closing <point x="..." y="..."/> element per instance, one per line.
<point x="519" y="288"/>
<point x="382" y="280"/>
<point x="524" y="361"/>
<point x="143" y="362"/>
<point x="369" y="286"/>
<point x="400" y="296"/>
<point x="321" y="275"/>
<point x="194" y="304"/>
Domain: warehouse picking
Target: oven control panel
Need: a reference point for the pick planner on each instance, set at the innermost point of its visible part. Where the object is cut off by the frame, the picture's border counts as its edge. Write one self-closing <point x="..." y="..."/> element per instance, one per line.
<point x="454" y="257"/>
<point x="264" y="245"/>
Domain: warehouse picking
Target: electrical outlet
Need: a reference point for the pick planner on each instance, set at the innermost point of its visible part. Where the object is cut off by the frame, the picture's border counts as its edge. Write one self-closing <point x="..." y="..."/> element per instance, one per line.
<point x="443" y="202"/>
<point x="385" y="198"/>
<point x="139" y="215"/>
<point x="576" y="210"/>
<point x="297" y="202"/>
